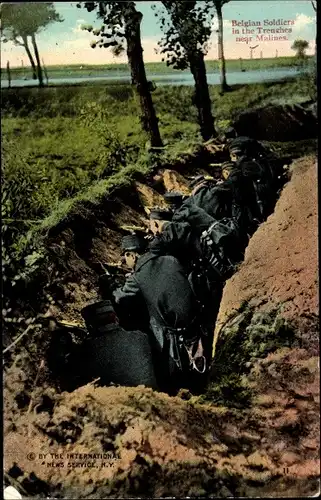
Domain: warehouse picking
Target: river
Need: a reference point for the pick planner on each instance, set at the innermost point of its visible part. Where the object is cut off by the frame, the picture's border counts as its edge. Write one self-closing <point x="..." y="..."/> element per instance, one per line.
<point x="234" y="77"/>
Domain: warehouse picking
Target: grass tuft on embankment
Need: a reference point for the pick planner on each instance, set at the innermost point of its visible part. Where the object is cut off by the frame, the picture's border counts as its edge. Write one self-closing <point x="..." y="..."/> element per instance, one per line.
<point x="246" y="337"/>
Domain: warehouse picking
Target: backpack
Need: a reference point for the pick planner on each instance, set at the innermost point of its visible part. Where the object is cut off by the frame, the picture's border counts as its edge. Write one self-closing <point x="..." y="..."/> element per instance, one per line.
<point x="222" y="248"/>
<point x="194" y="215"/>
<point x="219" y="244"/>
<point x="263" y="182"/>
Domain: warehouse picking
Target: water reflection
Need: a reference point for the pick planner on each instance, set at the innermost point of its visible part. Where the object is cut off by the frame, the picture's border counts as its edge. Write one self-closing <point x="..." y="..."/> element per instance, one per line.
<point x="236" y="77"/>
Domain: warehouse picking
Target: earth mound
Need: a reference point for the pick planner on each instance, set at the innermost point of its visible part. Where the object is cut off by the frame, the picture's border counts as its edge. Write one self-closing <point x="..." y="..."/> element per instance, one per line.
<point x="280" y="267"/>
<point x="278" y="123"/>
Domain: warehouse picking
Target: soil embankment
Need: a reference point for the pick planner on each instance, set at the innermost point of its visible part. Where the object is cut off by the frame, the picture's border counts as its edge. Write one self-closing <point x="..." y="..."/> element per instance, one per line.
<point x="171" y="446"/>
<point x="281" y="261"/>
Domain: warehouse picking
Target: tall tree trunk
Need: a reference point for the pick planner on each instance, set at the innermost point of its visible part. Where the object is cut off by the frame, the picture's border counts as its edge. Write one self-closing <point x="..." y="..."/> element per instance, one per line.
<point x="202" y="96"/>
<point x="314" y="5"/>
<point x="221" y="58"/>
<point x="32" y="62"/>
<point x="8" y="74"/>
<point x="138" y="75"/>
<point x="39" y="70"/>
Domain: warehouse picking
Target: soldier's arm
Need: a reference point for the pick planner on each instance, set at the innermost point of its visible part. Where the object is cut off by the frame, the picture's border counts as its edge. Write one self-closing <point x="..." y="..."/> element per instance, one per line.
<point x="128" y="293"/>
<point x="173" y="240"/>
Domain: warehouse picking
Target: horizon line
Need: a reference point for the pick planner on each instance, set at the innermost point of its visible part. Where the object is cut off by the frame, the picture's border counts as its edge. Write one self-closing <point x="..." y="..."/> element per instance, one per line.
<point x="151" y="62"/>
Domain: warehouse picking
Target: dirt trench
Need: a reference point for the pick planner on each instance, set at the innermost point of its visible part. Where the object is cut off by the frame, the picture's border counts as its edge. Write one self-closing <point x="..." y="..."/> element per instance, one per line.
<point x="158" y="445"/>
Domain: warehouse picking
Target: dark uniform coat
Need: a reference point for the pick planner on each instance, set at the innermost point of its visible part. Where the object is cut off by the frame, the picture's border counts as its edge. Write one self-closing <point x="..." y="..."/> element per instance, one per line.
<point x="179" y="240"/>
<point x="214" y="200"/>
<point x="235" y="197"/>
<point x="160" y="283"/>
<point x="182" y="240"/>
<point x="120" y="357"/>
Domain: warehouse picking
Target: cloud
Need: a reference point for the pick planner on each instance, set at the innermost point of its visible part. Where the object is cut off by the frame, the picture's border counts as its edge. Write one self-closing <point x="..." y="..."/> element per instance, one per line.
<point x="302" y="20"/>
<point x="77" y="30"/>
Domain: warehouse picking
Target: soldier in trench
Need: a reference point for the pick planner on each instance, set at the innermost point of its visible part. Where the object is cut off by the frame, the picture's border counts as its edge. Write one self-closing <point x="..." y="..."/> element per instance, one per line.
<point x="182" y="239"/>
<point x="159" y="286"/>
<point x="112" y="354"/>
<point x="250" y="158"/>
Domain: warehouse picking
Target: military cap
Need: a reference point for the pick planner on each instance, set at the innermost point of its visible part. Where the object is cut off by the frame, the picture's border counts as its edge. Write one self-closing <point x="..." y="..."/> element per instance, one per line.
<point x="133" y="242"/>
<point x="241" y="144"/>
<point x="199" y="179"/>
<point x="228" y="164"/>
<point x="174" y="198"/>
<point x="227" y="168"/>
<point x="160" y="214"/>
<point x="94" y="311"/>
<point x="236" y="149"/>
<point x="98" y="315"/>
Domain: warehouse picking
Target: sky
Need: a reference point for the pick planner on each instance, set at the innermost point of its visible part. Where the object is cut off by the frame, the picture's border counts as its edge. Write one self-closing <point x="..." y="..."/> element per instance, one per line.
<point x="65" y="42"/>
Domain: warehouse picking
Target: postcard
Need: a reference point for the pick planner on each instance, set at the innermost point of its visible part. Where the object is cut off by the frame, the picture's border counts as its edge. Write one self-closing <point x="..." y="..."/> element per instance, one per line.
<point x="160" y="302"/>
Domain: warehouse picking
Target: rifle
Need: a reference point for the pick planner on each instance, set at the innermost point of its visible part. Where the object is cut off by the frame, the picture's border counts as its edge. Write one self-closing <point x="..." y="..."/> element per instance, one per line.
<point x="111" y="276"/>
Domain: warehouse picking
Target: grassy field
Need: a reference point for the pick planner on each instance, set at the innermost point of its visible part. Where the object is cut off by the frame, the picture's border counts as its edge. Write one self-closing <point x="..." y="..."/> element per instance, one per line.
<point x="86" y="70"/>
<point x="65" y="144"/>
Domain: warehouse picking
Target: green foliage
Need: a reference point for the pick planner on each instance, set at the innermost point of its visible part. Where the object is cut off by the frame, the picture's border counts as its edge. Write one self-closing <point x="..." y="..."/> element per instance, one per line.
<point x="187" y="28"/>
<point x="20" y="182"/>
<point x="25" y="19"/>
<point x="310" y="80"/>
<point x="112" y="153"/>
<point x="300" y="46"/>
<point x="250" y="335"/>
<point x="231" y="391"/>
<point x="114" y="16"/>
